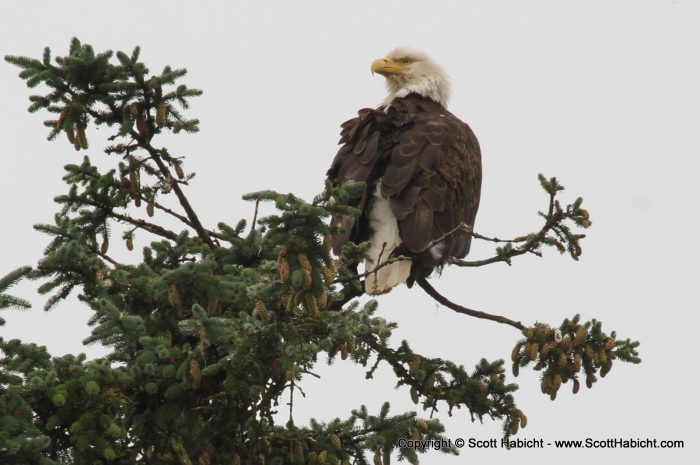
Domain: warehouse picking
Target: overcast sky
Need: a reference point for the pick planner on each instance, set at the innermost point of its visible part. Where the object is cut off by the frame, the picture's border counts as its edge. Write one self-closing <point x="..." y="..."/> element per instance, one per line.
<point x="604" y="95"/>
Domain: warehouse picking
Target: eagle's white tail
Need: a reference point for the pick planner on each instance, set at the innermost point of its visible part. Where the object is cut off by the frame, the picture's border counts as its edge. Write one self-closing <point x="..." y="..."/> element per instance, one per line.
<point x="387" y="277"/>
<point x="383" y="241"/>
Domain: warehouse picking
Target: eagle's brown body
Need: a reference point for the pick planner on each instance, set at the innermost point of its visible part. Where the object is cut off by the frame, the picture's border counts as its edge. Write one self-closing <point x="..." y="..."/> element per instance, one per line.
<point x="427" y="164"/>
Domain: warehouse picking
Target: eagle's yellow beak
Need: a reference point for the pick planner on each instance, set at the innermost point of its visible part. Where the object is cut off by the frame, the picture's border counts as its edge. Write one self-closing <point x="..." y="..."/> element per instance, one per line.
<point x="385" y="66"/>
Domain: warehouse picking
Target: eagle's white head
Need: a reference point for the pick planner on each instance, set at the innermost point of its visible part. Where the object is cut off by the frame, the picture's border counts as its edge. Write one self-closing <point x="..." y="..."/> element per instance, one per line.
<point x="410" y="71"/>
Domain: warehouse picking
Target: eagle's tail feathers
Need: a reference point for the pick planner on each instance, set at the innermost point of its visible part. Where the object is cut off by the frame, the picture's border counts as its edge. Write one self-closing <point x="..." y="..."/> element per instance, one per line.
<point x="386" y="277"/>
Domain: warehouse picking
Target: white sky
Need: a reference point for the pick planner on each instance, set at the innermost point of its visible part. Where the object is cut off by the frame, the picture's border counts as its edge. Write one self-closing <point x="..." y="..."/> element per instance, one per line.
<point x="604" y="95"/>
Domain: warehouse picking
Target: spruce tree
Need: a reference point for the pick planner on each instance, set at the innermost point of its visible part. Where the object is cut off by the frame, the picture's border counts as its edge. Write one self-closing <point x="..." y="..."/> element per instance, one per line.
<point x="212" y="325"/>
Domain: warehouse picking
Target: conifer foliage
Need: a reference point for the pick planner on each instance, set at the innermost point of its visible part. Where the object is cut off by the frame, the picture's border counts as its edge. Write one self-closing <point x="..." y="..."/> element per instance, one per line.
<point x="211" y="326"/>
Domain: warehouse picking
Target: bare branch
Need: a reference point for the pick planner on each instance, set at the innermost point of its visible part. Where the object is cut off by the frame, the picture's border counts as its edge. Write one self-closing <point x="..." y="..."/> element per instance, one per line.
<point x="180" y="217"/>
<point x="391" y="260"/>
<point x="530" y="245"/>
<point x="255" y="216"/>
<point x="106" y="257"/>
<point x="193" y="218"/>
<point x="430" y="290"/>
<point x="145" y="225"/>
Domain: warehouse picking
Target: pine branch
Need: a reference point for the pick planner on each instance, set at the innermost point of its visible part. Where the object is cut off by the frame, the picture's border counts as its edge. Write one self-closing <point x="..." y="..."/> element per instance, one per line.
<point x="13" y="277"/>
<point x="6" y="282"/>
<point x="484" y="392"/>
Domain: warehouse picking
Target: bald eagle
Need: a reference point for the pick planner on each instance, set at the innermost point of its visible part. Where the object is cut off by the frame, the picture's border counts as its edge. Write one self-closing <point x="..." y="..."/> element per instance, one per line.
<point x="422" y="169"/>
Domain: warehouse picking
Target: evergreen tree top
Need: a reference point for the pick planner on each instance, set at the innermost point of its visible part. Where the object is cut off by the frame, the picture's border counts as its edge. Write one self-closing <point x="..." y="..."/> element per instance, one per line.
<point x="212" y="326"/>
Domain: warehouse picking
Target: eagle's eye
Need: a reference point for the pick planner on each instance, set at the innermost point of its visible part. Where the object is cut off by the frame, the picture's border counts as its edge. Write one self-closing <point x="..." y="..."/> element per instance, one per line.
<point x="405" y="60"/>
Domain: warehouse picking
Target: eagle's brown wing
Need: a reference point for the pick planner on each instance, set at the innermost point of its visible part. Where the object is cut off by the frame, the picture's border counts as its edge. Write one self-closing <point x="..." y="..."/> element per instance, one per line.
<point x="433" y="180"/>
<point x="358" y="159"/>
<point x="429" y="163"/>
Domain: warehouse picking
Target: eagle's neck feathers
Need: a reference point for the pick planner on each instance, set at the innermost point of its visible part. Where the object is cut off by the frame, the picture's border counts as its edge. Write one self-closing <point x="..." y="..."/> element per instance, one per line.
<point x="432" y="83"/>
